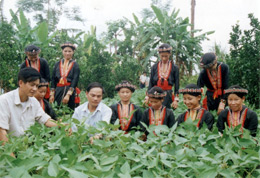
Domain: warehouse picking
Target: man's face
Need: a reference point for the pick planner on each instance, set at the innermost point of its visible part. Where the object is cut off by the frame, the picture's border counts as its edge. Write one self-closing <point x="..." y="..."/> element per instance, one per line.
<point x="29" y="88"/>
<point x="94" y="96"/>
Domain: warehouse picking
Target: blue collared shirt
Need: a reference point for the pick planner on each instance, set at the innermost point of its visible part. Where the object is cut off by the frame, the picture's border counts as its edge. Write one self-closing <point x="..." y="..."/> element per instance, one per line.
<point x="102" y="113"/>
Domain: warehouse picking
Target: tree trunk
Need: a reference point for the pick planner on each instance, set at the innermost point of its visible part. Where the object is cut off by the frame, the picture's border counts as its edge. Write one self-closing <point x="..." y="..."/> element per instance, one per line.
<point x="115" y="44"/>
<point x="2" y="10"/>
<point x="193" y="3"/>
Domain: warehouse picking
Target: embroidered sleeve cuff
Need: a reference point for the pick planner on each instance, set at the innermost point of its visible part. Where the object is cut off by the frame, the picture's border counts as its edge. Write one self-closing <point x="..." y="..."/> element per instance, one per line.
<point x="70" y="91"/>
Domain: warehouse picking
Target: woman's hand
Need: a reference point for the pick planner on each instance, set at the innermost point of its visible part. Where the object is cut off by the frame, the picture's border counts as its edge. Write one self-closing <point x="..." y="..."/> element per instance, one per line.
<point x="174" y="104"/>
<point x="66" y="99"/>
<point x="51" y="100"/>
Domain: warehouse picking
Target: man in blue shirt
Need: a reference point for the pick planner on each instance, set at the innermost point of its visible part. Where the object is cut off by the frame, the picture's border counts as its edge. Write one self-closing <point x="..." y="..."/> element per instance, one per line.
<point x="93" y="110"/>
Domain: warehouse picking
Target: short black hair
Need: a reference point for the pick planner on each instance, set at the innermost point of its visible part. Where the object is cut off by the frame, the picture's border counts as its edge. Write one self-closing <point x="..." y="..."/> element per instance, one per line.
<point x="28" y="74"/>
<point x="95" y="85"/>
<point x="156" y="93"/>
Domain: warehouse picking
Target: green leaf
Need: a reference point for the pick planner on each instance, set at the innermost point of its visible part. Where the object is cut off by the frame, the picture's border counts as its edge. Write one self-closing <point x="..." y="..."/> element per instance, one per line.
<point x="125" y="168"/>
<point x="147" y="174"/>
<point x="125" y="175"/>
<point x="109" y="160"/>
<point x="74" y="173"/>
<point x="136" y="19"/>
<point x="158" y="14"/>
<point x="209" y="173"/>
<point x="136" y="147"/>
<point x="53" y="169"/>
<point x="23" y="20"/>
<point x="43" y="32"/>
<point x="227" y="173"/>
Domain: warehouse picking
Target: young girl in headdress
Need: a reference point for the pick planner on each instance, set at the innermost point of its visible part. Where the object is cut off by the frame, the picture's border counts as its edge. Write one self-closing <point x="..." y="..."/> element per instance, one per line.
<point x="191" y="98"/>
<point x="39" y="95"/>
<point x="129" y="114"/>
<point x="65" y="77"/>
<point x="165" y="74"/>
<point x="158" y="114"/>
<point x="237" y="113"/>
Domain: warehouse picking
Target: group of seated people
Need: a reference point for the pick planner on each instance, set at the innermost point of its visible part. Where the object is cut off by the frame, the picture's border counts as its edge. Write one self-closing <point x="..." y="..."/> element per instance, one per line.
<point x="19" y="109"/>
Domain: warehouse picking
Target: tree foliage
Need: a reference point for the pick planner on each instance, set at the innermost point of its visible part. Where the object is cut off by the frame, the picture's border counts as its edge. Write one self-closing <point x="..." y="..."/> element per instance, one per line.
<point x="10" y="60"/>
<point x="244" y="59"/>
<point x="49" y="11"/>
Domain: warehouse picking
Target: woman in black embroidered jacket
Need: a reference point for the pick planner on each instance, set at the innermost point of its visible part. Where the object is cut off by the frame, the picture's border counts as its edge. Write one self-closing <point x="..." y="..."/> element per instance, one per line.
<point x="214" y="76"/>
<point x="33" y="60"/>
<point x="157" y="114"/>
<point x="237" y="113"/>
<point x="39" y="95"/>
<point x="165" y="75"/>
<point x="129" y="114"/>
<point x="191" y="98"/>
<point x="65" y="77"/>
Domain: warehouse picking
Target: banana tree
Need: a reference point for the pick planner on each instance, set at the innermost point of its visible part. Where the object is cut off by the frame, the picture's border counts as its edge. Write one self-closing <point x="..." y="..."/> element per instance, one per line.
<point x="164" y="28"/>
<point x="25" y="34"/>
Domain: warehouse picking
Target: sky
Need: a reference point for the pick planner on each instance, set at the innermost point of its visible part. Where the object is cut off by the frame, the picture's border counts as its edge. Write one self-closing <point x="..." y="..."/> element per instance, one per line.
<point x="210" y="15"/>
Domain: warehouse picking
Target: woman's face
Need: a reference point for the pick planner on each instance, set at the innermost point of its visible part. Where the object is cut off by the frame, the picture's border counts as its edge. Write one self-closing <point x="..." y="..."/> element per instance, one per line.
<point x="32" y="58"/>
<point x="40" y="93"/>
<point x="191" y="101"/>
<point x="165" y="56"/>
<point x="235" y="102"/>
<point x="155" y="103"/>
<point x="125" y="94"/>
<point x="67" y="53"/>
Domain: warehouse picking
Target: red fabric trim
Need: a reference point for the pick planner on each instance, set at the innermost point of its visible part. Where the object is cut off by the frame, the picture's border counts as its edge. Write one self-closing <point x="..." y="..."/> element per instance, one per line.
<point x="64" y="76"/>
<point x="173" y="97"/>
<point x="164" y="113"/>
<point x="39" y="65"/>
<point x="77" y="98"/>
<point x="150" y="116"/>
<point x="165" y="85"/>
<point x="161" y="119"/>
<point x="27" y="63"/>
<point x="38" y="61"/>
<point x="200" y="117"/>
<point x="217" y="89"/>
<point x="228" y="119"/>
<point x="42" y="105"/>
<point x="186" y="116"/>
<point x="63" y="85"/>
<point x="48" y="92"/>
<point x="242" y="118"/>
<point x="204" y="103"/>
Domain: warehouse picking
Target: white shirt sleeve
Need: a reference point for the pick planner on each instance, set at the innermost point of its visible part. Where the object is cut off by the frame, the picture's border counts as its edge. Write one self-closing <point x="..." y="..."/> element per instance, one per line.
<point x="75" y="116"/>
<point x="4" y="114"/>
<point x="41" y="115"/>
<point x="106" y="116"/>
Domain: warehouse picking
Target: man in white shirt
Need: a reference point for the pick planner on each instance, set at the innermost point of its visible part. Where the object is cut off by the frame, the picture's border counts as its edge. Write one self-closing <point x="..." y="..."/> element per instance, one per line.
<point x="19" y="109"/>
<point x="93" y="110"/>
<point x="142" y="80"/>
